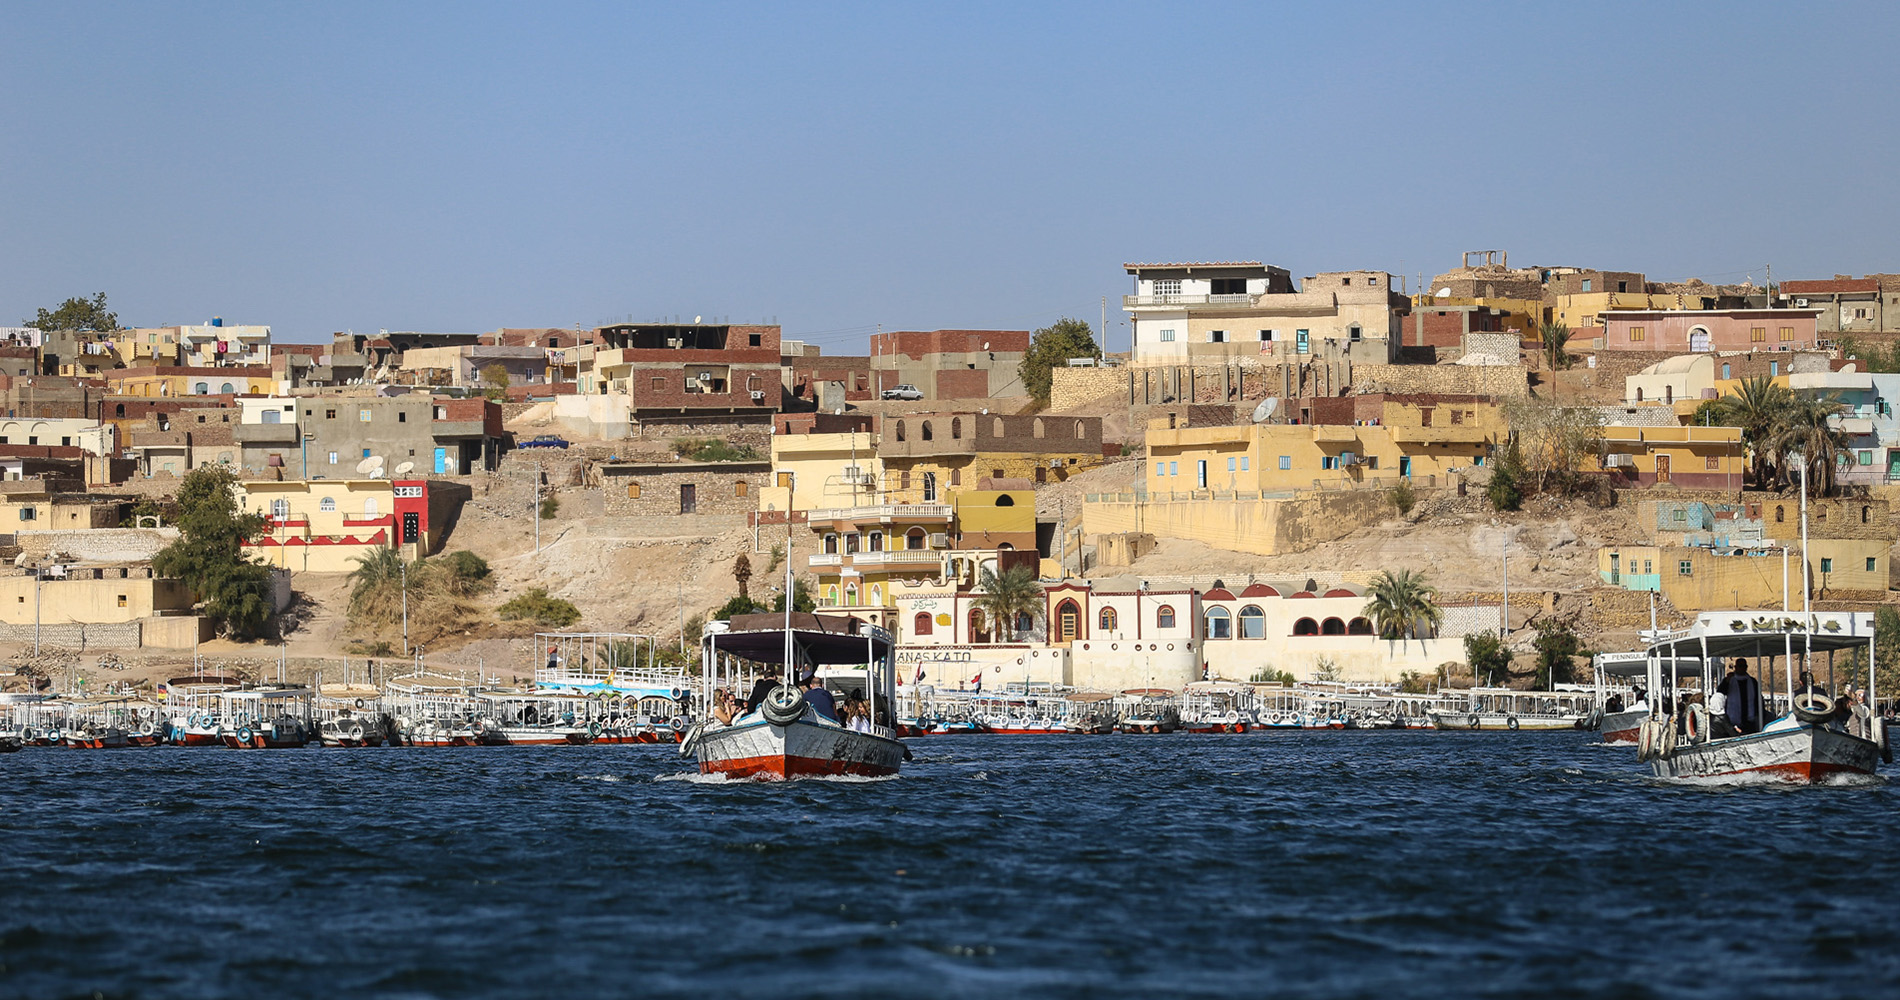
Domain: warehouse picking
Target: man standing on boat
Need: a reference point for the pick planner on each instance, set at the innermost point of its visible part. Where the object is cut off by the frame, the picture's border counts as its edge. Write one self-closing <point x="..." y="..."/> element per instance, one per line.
<point x="767" y="681"/>
<point x="1743" y="694"/>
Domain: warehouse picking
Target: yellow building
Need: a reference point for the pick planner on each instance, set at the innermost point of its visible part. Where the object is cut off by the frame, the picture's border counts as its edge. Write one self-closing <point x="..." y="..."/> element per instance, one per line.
<point x="147" y="346"/>
<point x="869" y="554"/>
<point x="928" y="455"/>
<point x="1691" y="457"/>
<point x="91" y="596"/>
<point x="326" y="525"/>
<point x="823" y="470"/>
<point x="163" y="381"/>
<point x="1703" y="578"/>
<point x="1425" y="440"/>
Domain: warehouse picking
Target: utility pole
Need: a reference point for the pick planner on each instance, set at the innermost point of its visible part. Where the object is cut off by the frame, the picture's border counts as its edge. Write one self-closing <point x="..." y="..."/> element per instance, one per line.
<point x="1768" y="292"/>
<point x="405" y="602"/>
<point x="36" y="609"/>
<point x="535" y="513"/>
<point x="1504" y="553"/>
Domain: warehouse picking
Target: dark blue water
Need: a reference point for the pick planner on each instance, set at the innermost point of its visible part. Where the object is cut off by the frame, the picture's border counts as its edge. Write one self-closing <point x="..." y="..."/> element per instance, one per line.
<point x="1311" y="865"/>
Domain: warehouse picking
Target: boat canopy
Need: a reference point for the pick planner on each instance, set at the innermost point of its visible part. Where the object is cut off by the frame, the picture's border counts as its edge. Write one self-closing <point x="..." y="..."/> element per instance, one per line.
<point x="820" y="639"/>
<point x="1726" y="634"/>
<point x="1637" y="664"/>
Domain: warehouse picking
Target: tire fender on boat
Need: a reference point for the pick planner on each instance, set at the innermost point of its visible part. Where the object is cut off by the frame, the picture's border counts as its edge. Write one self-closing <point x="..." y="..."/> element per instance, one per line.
<point x="1813" y="707"/>
<point x="1668" y="745"/>
<point x="1645" y="740"/>
<point x="244" y="734"/>
<point x="691" y="741"/>
<point x="783" y="706"/>
<point x="1510" y="723"/>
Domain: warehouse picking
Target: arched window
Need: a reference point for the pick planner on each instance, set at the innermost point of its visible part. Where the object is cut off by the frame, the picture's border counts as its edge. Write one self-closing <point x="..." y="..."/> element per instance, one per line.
<point x="851" y="595"/>
<point x="1781" y="514"/>
<point x="831" y="595"/>
<point x="1359" y="626"/>
<point x="977" y="632"/>
<point x="1306" y="626"/>
<point x="831" y="543"/>
<point x="1219" y="624"/>
<point x="927" y="435"/>
<point x="1106" y="620"/>
<point x="877" y="595"/>
<point x="119" y="410"/>
<point x="1039" y="430"/>
<point x="201" y="388"/>
<point x="876" y="541"/>
<point x="851" y="543"/>
<point x="226" y="388"/>
<point x="280" y="509"/>
<point x="1253" y="623"/>
<point x="920" y="623"/>
<point x="327" y="505"/>
<point x="996" y="427"/>
<point x="914" y="539"/>
<point x="1164" y="616"/>
<point x="900" y="430"/>
<point x="930" y="486"/>
<point x="1080" y="433"/>
<point x="1332" y="626"/>
<point x="370" y="508"/>
<point x="1863" y="515"/>
<point x="1005" y="501"/>
<point x="956" y="427"/>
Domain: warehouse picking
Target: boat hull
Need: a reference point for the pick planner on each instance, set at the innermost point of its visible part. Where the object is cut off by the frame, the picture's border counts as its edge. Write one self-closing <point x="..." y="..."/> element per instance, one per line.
<point x="1803" y="754"/>
<point x="1490" y="722"/>
<point x="805" y="748"/>
<point x="1620" y="727"/>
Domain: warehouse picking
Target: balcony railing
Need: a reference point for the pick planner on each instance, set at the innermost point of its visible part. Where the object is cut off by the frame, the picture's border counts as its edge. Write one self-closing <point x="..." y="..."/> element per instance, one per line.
<point x="872" y="560"/>
<point x="1130" y="301"/>
<point x="884" y="512"/>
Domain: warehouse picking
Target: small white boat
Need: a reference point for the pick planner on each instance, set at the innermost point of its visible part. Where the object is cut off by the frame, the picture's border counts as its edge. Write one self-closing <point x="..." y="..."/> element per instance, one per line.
<point x="786" y="736"/>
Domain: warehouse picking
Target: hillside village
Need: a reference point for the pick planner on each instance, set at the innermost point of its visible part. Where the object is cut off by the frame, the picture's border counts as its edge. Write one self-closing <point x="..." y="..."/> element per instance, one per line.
<point x="1549" y="448"/>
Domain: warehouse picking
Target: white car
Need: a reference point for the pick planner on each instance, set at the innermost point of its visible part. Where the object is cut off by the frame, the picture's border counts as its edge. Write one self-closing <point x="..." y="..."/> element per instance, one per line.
<point x="905" y="391"/>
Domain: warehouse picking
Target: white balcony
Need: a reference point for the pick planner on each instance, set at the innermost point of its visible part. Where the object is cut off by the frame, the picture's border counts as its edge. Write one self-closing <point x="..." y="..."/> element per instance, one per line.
<point x="885" y="513"/>
<point x="1139" y="301"/>
<point x="877" y="560"/>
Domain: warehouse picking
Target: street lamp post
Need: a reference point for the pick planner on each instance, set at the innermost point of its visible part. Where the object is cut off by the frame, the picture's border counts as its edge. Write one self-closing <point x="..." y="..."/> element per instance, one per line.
<point x="405" y="602"/>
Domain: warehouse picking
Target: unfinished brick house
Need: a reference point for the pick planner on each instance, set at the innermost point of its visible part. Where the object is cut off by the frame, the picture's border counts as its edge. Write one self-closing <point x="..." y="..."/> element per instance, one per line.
<point x="687" y="368"/>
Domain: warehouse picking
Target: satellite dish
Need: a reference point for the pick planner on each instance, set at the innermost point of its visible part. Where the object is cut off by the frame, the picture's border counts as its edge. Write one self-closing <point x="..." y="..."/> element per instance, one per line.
<point x="695" y="320"/>
<point x="405" y="468"/>
<point x="1265" y="409"/>
<point x="370" y="466"/>
<point x="1443" y="293"/>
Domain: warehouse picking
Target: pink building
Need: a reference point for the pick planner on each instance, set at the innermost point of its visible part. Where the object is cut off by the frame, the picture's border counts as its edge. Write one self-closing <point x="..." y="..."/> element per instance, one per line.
<point x="1694" y="330"/>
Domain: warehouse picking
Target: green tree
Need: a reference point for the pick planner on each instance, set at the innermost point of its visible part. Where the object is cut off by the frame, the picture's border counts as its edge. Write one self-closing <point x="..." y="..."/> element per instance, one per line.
<point x="1758" y="406"/>
<point x="1555" y="335"/>
<point x="77" y="314"/>
<point x="1506" y="488"/>
<point x="495" y="377"/>
<point x="740" y="604"/>
<point x="1489" y="658"/>
<point x="802" y="601"/>
<point x="1557" y="645"/>
<point x="1402" y="604"/>
<point x="1004" y="598"/>
<point x="209" y="553"/>
<point x="1052" y="346"/>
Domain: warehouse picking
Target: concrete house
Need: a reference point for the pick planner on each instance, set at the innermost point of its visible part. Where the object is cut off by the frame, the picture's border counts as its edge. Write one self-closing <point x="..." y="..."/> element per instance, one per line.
<point x="1226" y="312"/>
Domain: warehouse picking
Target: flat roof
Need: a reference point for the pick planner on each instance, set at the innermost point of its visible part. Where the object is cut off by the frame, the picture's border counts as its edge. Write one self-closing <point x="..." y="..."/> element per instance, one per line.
<point x="1195" y="263"/>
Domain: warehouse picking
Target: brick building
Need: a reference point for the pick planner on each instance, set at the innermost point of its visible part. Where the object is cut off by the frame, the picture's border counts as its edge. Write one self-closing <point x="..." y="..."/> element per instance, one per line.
<point x="951" y="364"/>
<point x="686" y="368"/>
<point x="1446" y="326"/>
<point x="1848" y="304"/>
<point x="926" y="454"/>
<point x="1700" y="330"/>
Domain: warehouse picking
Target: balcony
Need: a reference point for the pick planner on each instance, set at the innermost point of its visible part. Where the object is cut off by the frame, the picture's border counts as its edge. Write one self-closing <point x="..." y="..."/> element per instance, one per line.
<point x="266" y="433"/>
<point x="1141" y="301"/>
<point x="878" y="560"/>
<point x="885" y="513"/>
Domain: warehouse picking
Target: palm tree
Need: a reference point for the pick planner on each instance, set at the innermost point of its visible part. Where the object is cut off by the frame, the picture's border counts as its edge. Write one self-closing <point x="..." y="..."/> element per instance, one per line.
<point x="1007" y="597"/>
<point x="375" y="570"/>
<point x="1758" y="407"/>
<point x="1399" y="604"/>
<point x="1805" y="429"/>
<point x="1556" y="335"/>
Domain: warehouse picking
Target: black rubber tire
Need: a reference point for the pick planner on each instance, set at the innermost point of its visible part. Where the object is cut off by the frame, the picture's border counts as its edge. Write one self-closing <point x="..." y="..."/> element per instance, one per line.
<point x="778" y="710"/>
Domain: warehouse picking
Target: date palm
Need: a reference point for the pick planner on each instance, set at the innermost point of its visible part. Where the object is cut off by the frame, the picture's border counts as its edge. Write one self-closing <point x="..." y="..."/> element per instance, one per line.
<point x="1759" y="407"/>
<point x="1402" y="604"/>
<point x="1555" y="335"/>
<point x="1004" y="598"/>
<point x="1805" y="429"/>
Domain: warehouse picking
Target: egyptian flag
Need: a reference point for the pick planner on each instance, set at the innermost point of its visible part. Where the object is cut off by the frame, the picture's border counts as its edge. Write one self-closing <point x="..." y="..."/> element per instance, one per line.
<point x="978" y="681"/>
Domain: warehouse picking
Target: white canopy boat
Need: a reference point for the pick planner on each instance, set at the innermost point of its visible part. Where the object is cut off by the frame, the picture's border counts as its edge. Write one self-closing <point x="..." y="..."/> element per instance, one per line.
<point x="1806" y="738"/>
<point x="785" y="736"/>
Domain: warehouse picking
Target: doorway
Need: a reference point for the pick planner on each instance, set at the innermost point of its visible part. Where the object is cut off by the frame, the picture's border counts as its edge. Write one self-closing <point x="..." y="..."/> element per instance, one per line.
<point x="689" y="498"/>
<point x="1662" y="468"/>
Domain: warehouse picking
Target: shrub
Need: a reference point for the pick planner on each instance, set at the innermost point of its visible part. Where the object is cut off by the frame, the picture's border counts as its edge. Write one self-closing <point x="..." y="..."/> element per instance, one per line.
<point x="549" y="507"/>
<point x="1268" y="675"/>
<point x="1402" y="497"/>
<point x="715" y="450"/>
<point x="537" y="607"/>
<point x="1490" y="660"/>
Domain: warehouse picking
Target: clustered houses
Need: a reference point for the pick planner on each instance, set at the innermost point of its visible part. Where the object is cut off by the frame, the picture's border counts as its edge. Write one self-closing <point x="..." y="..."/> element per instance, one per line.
<point x="1271" y="414"/>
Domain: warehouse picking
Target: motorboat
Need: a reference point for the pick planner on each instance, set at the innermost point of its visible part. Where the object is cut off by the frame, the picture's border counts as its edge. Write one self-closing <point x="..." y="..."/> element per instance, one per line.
<point x="1147" y="711"/>
<point x="266" y="719"/>
<point x="1508" y="710"/>
<point x="1808" y="737"/>
<point x="785" y="736"/>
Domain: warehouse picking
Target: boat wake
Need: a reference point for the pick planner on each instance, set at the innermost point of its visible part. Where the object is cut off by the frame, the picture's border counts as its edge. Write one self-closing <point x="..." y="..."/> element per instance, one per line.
<point x="599" y="777"/>
<point x="696" y="778"/>
<point x="1756" y="779"/>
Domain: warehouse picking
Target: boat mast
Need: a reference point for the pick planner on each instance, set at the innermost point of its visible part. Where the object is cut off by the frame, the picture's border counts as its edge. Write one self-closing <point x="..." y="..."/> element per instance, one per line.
<point x="785" y="678"/>
<point x="1807" y="604"/>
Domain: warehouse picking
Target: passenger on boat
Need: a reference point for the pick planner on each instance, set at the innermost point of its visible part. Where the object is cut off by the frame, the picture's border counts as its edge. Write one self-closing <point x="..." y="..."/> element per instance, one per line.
<point x="725" y="707"/>
<point x="1639" y="699"/>
<point x="1743" y="695"/>
<point x="1807" y="686"/>
<point x="1613" y="704"/>
<point x="767" y="681"/>
<point x="1852" y="715"/>
<point x="819" y="698"/>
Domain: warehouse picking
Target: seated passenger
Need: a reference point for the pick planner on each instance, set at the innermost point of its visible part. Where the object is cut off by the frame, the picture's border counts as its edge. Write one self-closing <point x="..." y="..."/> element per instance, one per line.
<point x="725" y="709"/>
<point x="767" y="681"/>
<point x="819" y="698"/>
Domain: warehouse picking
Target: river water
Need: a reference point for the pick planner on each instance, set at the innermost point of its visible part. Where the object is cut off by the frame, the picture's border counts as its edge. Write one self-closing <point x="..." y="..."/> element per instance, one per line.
<point x="1310" y="865"/>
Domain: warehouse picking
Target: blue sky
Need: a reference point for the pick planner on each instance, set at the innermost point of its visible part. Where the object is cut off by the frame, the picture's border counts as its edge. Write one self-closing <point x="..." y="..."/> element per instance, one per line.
<point x="835" y="167"/>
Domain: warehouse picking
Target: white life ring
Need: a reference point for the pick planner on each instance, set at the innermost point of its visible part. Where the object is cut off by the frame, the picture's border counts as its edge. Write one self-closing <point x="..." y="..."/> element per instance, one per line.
<point x="1510" y="722"/>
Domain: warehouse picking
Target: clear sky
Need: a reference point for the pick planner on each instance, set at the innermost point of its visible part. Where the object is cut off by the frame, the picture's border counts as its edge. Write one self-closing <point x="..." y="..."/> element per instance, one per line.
<point x="461" y="167"/>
